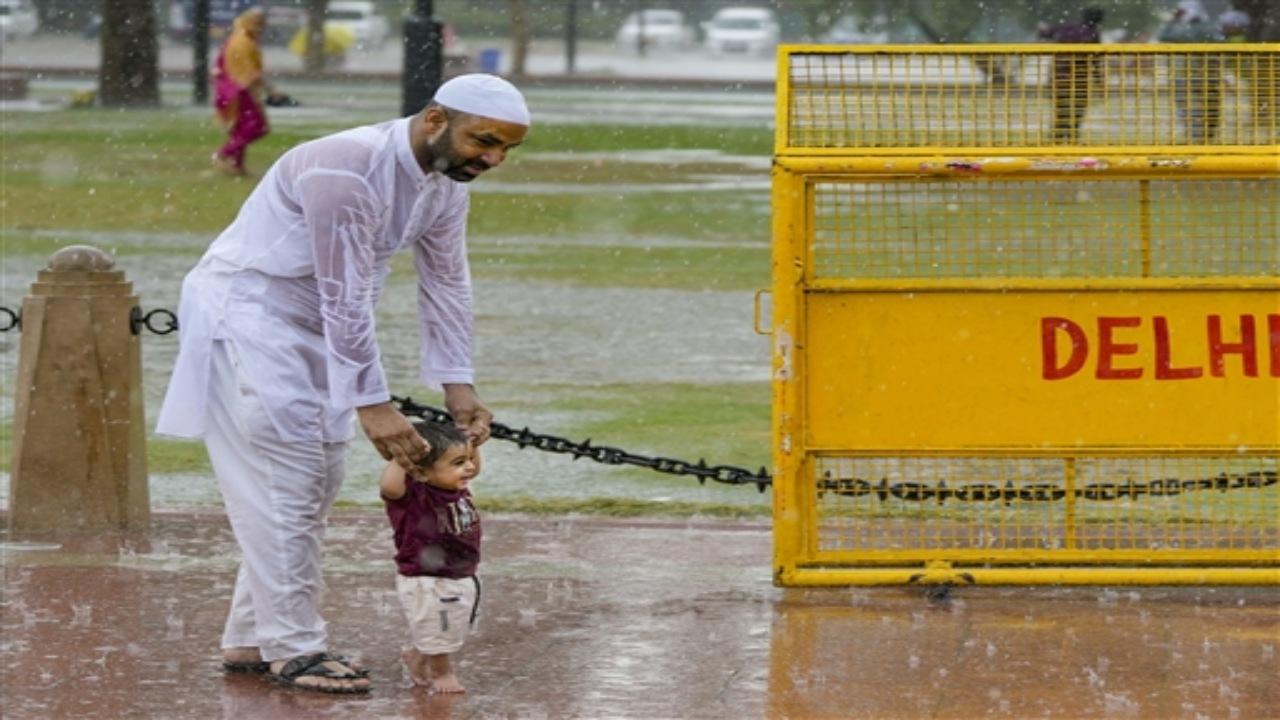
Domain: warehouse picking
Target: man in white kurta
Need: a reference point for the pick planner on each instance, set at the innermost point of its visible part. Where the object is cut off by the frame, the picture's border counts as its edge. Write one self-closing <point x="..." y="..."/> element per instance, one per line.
<point x="278" y="350"/>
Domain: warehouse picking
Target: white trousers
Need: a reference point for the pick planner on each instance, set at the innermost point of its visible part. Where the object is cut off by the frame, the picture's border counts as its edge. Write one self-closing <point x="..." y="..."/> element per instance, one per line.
<point x="277" y="496"/>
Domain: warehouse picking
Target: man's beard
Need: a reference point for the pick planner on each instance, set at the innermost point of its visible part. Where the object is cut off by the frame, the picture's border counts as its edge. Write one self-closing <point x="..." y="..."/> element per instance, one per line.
<point x="445" y="160"/>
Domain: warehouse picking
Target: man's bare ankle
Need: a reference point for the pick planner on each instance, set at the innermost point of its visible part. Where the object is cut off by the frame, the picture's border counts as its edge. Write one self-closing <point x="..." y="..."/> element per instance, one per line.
<point x="242" y="654"/>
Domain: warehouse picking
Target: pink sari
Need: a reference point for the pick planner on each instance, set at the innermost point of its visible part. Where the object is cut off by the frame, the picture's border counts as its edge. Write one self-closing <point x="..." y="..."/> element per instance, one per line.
<point x="244" y="116"/>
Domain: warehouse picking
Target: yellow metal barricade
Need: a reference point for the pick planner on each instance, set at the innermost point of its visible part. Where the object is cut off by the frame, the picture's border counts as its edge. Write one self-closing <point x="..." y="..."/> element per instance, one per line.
<point x="1026" y="318"/>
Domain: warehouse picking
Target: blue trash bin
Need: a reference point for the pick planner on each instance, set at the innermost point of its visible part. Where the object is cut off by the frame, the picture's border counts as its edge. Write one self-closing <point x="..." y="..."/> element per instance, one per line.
<point x="490" y="58"/>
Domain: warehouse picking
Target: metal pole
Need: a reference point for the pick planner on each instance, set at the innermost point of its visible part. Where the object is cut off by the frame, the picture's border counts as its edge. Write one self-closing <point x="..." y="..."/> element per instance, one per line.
<point x="423" y="58"/>
<point x="640" y="34"/>
<point x="200" y="51"/>
<point x="571" y="37"/>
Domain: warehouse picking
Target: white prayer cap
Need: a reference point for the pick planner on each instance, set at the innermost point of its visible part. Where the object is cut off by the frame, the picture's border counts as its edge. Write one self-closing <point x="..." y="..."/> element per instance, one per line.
<point x="487" y="95"/>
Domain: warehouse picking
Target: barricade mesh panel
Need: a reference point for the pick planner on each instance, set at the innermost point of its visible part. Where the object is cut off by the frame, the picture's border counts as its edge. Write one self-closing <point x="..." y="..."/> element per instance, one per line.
<point x="1038" y="168"/>
<point x="1159" y="504"/>
<point x="930" y="228"/>
<point x="1077" y="94"/>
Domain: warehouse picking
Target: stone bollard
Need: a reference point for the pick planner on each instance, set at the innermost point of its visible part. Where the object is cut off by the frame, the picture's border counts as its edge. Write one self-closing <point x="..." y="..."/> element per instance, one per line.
<point x="79" y="442"/>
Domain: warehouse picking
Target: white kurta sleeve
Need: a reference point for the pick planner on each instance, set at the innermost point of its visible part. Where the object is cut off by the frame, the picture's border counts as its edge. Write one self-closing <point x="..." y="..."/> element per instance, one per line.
<point x="344" y="217"/>
<point x="444" y="299"/>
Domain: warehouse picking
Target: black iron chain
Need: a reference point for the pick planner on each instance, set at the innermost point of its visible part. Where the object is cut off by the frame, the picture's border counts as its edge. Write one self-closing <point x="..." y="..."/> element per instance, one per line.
<point x="1041" y="492"/>
<point x="10" y="319"/>
<point x="138" y="320"/>
<point x="604" y="454"/>
<point x="857" y="487"/>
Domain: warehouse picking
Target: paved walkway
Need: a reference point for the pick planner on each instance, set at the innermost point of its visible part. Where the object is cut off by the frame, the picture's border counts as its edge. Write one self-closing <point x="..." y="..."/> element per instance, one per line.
<point x="588" y="618"/>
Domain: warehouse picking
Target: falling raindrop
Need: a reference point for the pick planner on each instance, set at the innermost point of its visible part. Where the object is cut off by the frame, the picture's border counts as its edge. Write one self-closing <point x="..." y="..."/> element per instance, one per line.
<point x="81" y="614"/>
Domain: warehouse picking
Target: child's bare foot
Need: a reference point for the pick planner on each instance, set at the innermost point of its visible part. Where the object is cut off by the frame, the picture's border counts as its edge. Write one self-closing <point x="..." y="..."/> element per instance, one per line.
<point x="442" y="678"/>
<point x="416" y="663"/>
<point x="445" y="684"/>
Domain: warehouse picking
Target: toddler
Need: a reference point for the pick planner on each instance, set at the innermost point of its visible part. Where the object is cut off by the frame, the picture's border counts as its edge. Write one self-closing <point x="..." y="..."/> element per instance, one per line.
<point x="437" y="538"/>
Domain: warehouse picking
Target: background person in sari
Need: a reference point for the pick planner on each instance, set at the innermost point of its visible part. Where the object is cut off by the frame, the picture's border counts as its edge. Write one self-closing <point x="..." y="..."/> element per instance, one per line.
<point x="240" y="91"/>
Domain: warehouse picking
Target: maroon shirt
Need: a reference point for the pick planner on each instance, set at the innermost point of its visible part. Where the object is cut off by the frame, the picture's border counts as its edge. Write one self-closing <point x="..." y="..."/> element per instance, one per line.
<point x="437" y="532"/>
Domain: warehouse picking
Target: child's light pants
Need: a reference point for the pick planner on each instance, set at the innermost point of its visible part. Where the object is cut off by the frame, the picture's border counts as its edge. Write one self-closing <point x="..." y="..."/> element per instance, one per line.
<point x="277" y="496"/>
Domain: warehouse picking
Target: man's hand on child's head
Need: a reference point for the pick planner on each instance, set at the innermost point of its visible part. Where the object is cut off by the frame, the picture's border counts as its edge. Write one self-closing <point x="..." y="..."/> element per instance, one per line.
<point x="392" y="435"/>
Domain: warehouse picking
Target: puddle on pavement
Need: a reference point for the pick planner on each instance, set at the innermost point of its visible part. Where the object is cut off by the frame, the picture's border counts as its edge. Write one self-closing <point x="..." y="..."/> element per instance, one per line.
<point x="664" y="156"/>
<point x="530" y="243"/>
<point x="8" y="547"/>
<point x="718" y="183"/>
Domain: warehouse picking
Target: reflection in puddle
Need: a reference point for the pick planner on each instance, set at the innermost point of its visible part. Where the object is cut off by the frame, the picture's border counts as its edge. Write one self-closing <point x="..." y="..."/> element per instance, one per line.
<point x="6" y="547"/>
<point x="716" y="183"/>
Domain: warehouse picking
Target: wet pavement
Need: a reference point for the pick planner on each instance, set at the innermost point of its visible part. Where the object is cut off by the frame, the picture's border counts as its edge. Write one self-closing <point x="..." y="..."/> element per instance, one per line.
<point x="597" y="618"/>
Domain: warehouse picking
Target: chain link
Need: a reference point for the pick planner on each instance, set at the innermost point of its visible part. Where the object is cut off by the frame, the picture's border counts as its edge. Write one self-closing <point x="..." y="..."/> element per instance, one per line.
<point x="138" y="321"/>
<point x="1007" y="493"/>
<point x="603" y="454"/>
<point x="1042" y="492"/>
<point x="12" y="319"/>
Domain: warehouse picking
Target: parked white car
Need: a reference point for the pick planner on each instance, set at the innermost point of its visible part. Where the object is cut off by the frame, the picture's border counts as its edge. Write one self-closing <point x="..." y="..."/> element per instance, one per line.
<point x="361" y="17"/>
<point x="742" y="30"/>
<point x="656" y="29"/>
<point x="18" y="19"/>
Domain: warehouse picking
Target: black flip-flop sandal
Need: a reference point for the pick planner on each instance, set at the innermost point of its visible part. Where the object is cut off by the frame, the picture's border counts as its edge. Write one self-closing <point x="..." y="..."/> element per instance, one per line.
<point x="313" y="666"/>
<point x="359" y="671"/>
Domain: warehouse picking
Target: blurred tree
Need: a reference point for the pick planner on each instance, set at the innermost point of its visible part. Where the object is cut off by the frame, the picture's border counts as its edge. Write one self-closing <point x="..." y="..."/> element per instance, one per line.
<point x="520" y="35"/>
<point x="820" y="15"/>
<point x="313" y="63"/>
<point x="1264" y="19"/>
<point x="66" y="15"/>
<point x="129" y="72"/>
<point x="1015" y="21"/>
<point x="954" y="23"/>
<point x="945" y="22"/>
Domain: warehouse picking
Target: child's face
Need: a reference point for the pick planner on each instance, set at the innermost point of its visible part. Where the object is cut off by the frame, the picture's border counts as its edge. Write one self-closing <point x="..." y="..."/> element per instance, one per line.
<point x="453" y="470"/>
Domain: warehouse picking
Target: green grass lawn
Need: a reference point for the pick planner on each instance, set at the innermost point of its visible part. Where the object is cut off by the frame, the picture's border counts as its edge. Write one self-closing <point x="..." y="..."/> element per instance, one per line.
<point x="145" y="170"/>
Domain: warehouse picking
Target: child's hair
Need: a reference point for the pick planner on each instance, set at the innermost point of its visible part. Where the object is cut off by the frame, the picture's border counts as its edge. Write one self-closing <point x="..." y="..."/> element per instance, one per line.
<point x="442" y="437"/>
